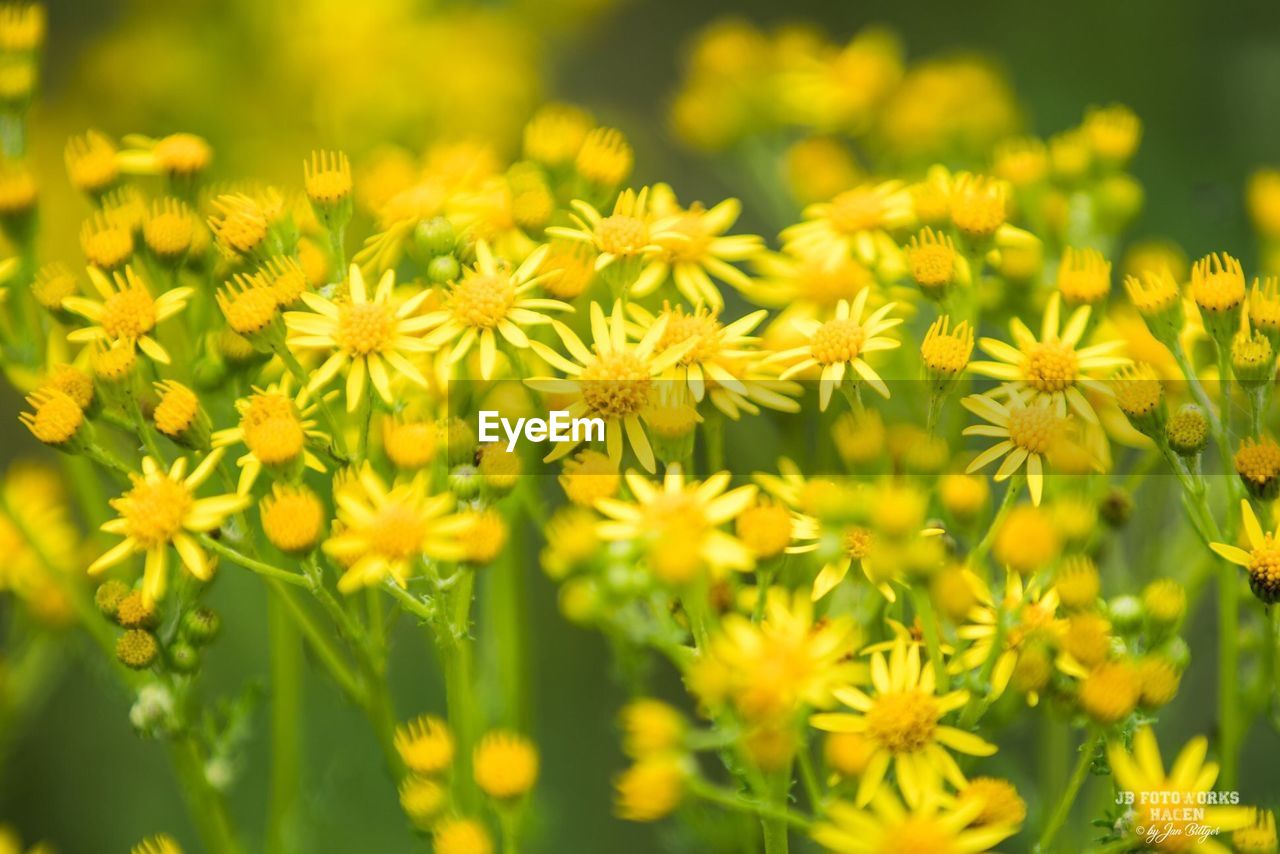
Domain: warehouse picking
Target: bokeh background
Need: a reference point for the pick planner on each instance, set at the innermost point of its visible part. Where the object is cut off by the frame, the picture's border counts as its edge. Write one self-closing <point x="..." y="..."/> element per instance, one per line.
<point x="268" y="80"/>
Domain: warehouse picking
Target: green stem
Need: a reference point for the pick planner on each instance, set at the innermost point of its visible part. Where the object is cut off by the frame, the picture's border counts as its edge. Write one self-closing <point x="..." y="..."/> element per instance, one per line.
<point x="456" y="653"/>
<point x="736" y="802"/>
<point x="1068" y="799"/>
<point x="321" y="644"/>
<point x="336" y="433"/>
<point x="241" y="559"/>
<point x="208" y="808"/>
<point x="286" y="722"/>
<point x="1228" y="678"/>
<point x="929" y="623"/>
<point x="980" y="551"/>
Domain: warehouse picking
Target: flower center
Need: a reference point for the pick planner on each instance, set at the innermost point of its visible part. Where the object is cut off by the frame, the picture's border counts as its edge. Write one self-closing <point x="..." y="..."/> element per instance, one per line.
<point x="398" y="532"/>
<point x="130" y="313"/>
<point x="903" y="721"/>
<point x="616" y="385"/>
<point x="701" y="326"/>
<point x="856" y="210"/>
<point x="275" y="440"/>
<point x="932" y="264"/>
<point x="857" y="542"/>
<point x="1050" y="367"/>
<point x="364" y="328"/>
<point x="837" y="341"/>
<point x="919" y="836"/>
<point x="622" y="235"/>
<point x="1033" y="428"/>
<point x="153" y="510"/>
<point x="482" y="301"/>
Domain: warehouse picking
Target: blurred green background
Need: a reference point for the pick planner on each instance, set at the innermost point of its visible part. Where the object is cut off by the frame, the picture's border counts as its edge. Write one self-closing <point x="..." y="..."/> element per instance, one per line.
<point x="268" y="81"/>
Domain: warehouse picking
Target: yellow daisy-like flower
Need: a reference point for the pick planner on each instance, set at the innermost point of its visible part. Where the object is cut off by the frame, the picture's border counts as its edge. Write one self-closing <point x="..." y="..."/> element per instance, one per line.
<point x="1034" y="625"/>
<point x="716" y="348"/>
<point x="808" y="282"/>
<point x="840" y="344"/>
<point x="612" y="379"/>
<point x="890" y="827"/>
<point x="387" y="531"/>
<point x="902" y="717"/>
<point x="160" y="510"/>
<point x="127" y="312"/>
<point x="629" y="233"/>
<point x="488" y="301"/>
<point x="275" y="426"/>
<point x="1054" y="366"/>
<point x="363" y="335"/>
<point x="1026" y="434"/>
<point x="856" y="222"/>
<point x="771" y="669"/>
<point x="687" y="513"/>
<point x="1261" y="560"/>
<point x="857" y="544"/>
<point x="1141" y="771"/>
<point x="693" y="248"/>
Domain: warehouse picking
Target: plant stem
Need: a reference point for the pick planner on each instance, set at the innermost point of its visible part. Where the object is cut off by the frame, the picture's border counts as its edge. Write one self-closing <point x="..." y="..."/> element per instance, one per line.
<point x="321" y="645"/>
<point x="929" y="623"/>
<point x="456" y="653"/>
<point x="736" y="802"/>
<point x="286" y="723"/>
<point x="208" y="808"/>
<point x="1228" y="661"/>
<point x="1068" y="799"/>
<point x="241" y="559"/>
<point x="1011" y="491"/>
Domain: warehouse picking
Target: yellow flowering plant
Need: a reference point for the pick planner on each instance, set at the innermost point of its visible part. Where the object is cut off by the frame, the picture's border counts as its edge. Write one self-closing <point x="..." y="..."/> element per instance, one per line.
<point x="377" y="394"/>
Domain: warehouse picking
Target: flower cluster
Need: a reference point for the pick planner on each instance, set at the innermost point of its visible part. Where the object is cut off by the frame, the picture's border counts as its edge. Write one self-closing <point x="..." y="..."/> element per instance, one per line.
<point x="924" y="372"/>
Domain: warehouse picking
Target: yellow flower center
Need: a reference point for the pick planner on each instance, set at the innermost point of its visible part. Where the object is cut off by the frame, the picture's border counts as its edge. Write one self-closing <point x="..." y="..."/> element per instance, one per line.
<point x="108" y="247"/>
<point x="248" y="311"/>
<point x="857" y="542"/>
<point x="828" y="285"/>
<point x="365" y="328"/>
<point x="903" y="721"/>
<point x="622" y="235"/>
<point x="1050" y="366"/>
<point x="169" y="233"/>
<point x="292" y="519"/>
<point x="182" y="153"/>
<point x="919" y="836"/>
<point x="153" y="509"/>
<point x="616" y="385"/>
<point x="176" y="410"/>
<point x="482" y="301"/>
<point x="1033" y="428"/>
<point x="856" y="210"/>
<point x="1218" y="291"/>
<point x="398" y="532"/>
<point x="130" y="313"/>
<point x="272" y="431"/>
<point x="700" y="326"/>
<point x="1264" y="565"/>
<point x="837" y="341"/>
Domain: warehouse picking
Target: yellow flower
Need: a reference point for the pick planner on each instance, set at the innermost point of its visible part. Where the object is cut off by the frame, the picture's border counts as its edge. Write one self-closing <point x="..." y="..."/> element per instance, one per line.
<point x="409" y="443"/>
<point x="686" y="515"/>
<point x="461" y="836"/>
<point x="127" y="312"/>
<point x="169" y="229"/>
<point x="422" y="799"/>
<point x="612" y="380"/>
<point x="807" y="282"/>
<point x="840" y="343"/>
<point x="505" y="765"/>
<point x="902" y="716"/>
<point x="1258" y="837"/>
<point x="107" y="242"/>
<point x="486" y="302"/>
<point x="651" y="789"/>
<point x="1026" y="434"/>
<point x="627" y="234"/>
<point x="1141" y="771"/>
<point x="275" y="427"/>
<point x="946" y="351"/>
<point x="588" y="477"/>
<point x="770" y="670"/>
<point x="1052" y="367"/>
<point x="1084" y="276"/>
<point x="693" y="247"/>
<point x="425" y="744"/>
<point x="363" y="335"/>
<point x="387" y="531"/>
<point x="327" y="177"/>
<point x="1034" y="625"/>
<point x="889" y="827"/>
<point x="179" y="155"/>
<point x="160" y="510"/>
<point x="292" y="518"/>
<point x="56" y="419"/>
<point x="555" y="134"/>
<point x="856" y="222"/>
<point x="161" y="843"/>
<point x="242" y="223"/>
<point x="1261" y="560"/>
<point x="605" y="157"/>
<point x="713" y="351"/>
<point x="650" y="727"/>
<point x="933" y="261"/>
<point x="91" y="162"/>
